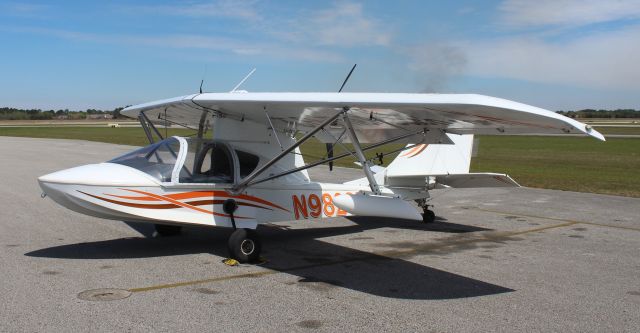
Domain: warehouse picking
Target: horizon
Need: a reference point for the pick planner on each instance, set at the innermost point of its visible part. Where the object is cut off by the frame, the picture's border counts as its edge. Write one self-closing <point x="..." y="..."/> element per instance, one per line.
<point x="557" y="55"/>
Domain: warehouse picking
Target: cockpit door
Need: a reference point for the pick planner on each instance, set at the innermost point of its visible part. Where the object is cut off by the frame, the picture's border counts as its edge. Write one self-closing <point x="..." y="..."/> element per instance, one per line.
<point x="212" y="163"/>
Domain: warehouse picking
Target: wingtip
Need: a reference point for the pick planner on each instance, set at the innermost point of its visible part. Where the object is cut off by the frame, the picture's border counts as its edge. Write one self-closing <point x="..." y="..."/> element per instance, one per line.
<point x="593" y="133"/>
<point x="599" y="136"/>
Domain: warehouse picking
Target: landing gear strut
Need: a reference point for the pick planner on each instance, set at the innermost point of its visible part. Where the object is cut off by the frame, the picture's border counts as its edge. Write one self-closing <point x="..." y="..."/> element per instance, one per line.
<point x="428" y="216"/>
<point x="244" y="244"/>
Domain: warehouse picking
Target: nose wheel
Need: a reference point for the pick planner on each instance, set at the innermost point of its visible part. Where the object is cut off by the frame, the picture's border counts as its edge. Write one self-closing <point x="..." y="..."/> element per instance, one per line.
<point x="244" y="245"/>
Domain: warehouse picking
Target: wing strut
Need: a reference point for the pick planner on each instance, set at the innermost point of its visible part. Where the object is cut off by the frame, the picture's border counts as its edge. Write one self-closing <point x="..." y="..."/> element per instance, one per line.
<point x="360" y="154"/>
<point x="202" y="128"/>
<point x="273" y="128"/>
<point x="245" y="182"/>
<point x="343" y="155"/>
<point x="147" y="125"/>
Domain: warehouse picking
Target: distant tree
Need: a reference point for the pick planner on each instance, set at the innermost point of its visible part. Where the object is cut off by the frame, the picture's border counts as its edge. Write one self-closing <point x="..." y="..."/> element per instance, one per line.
<point x="591" y="113"/>
<point x="116" y="112"/>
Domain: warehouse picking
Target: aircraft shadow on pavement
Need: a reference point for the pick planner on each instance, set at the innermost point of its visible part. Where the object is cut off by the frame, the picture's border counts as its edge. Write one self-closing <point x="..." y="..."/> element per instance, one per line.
<point x="319" y="265"/>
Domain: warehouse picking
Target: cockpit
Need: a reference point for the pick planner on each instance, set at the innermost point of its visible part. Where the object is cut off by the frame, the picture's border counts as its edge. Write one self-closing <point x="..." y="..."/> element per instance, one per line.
<point x="181" y="160"/>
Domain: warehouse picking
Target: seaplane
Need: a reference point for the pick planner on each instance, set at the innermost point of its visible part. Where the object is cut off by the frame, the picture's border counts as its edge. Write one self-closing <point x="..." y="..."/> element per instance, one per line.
<point x="244" y="166"/>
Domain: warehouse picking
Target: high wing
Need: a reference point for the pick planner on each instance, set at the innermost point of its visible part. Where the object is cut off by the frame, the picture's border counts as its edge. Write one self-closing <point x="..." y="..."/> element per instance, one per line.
<point x="375" y="116"/>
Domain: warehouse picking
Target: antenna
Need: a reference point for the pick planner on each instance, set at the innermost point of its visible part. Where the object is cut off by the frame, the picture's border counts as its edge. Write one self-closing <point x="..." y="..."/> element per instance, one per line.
<point x="347" y="78"/>
<point x="241" y="82"/>
<point x="203" y="76"/>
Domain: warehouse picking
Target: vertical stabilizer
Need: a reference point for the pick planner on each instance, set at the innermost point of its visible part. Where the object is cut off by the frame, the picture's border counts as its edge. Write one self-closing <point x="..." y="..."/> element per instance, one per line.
<point x="434" y="159"/>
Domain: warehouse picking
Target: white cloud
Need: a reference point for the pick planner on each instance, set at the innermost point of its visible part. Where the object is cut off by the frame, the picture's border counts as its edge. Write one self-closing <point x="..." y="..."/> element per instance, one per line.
<point x="527" y="13"/>
<point x="237" y="47"/>
<point x="192" y="42"/>
<point x="344" y="24"/>
<point x="605" y="60"/>
<point x="219" y="8"/>
<point x="341" y="24"/>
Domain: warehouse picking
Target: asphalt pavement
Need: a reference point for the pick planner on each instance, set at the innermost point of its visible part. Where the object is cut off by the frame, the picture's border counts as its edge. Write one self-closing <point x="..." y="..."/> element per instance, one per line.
<point x="495" y="260"/>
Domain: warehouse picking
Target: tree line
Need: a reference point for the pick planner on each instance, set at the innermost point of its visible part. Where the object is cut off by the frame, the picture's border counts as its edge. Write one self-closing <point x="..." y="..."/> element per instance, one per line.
<point x="590" y="113"/>
<point x="37" y="114"/>
<point x="7" y="113"/>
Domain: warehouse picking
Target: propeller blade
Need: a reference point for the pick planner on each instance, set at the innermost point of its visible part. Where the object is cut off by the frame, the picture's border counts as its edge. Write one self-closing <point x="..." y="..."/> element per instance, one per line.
<point x="330" y="154"/>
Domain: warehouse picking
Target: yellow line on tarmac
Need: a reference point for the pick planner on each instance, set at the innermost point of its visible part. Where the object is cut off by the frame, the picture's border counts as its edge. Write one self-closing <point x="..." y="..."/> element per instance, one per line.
<point x="189" y="283"/>
<point x="390" y="254"/>
<point x="568" y="223"/>
<point x="248" y="275"/>
<point x="611" y="226"/>
<point x="490" y="236"/>
<point x="396" y="254"/>
<point x="554" y="219"/>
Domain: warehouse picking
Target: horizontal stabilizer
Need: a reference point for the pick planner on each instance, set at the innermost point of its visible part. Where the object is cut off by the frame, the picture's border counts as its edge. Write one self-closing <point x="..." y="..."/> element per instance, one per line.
<point x="374" y="168"/>
<point x="464" y="180"/>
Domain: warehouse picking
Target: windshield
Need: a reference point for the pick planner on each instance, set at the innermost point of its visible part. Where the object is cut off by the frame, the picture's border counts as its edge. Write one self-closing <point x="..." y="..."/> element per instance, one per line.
<point x="157" y="160"/>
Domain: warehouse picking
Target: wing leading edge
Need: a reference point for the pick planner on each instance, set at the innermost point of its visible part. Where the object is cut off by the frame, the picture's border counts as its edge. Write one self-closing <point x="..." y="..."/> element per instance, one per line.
<point x="375" y="116"/>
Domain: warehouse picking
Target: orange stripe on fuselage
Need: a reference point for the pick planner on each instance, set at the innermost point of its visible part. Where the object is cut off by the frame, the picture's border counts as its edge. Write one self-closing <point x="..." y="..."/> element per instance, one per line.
<point x="182" y="204"/>
<point x="202" y="194"/>
<point x="133" y="204"/>
<point x="170" y="205"/>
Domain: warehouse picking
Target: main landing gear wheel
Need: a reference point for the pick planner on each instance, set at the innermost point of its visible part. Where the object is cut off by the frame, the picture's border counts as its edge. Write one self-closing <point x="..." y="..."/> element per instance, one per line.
<point x="244" y="245"/>
<point x="167" y="230"/>
<point x="428" y="216"/>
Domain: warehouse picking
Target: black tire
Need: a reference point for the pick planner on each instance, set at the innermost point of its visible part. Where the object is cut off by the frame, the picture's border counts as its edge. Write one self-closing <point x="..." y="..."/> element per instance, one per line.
<point x="168" y="230"/>
<point x="244" y="245"/>
<point x="429" y="216"/>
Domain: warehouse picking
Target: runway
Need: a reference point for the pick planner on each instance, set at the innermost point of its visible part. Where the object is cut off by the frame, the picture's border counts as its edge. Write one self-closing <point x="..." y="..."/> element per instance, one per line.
<point x="496" y="260"/>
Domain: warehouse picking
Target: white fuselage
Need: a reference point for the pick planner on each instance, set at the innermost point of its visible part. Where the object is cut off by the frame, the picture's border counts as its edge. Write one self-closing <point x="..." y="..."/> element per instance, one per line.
<point x="133" y="196"/>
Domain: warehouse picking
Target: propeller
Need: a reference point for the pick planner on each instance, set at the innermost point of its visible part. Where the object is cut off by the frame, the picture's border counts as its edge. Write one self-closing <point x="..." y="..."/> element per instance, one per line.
<point x="330" y="154"/>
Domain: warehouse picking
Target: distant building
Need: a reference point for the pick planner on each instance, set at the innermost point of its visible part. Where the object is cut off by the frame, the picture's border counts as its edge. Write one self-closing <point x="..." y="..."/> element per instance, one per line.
<point x="99" y="116"/>
<point x="62" y="117"/>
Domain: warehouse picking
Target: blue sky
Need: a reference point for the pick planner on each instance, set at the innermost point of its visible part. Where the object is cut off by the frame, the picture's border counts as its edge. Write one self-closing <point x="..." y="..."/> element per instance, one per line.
<point x="556" y="54"/>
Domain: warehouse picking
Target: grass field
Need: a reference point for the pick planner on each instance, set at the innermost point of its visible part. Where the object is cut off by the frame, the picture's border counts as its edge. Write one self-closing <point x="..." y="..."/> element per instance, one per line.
<point x="635" y="130"/>
<point x="564" y="163"/>
<point x="569" y="163"/>
<point x="121" y="135"/>
<point x="312" y="150"/>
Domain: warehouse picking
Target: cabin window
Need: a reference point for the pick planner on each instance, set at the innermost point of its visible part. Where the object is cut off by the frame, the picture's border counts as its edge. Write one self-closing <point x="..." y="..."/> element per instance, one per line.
<point x="156" y="160"/>
<point x="207" y="162"/>
<point x="248" y="162"/>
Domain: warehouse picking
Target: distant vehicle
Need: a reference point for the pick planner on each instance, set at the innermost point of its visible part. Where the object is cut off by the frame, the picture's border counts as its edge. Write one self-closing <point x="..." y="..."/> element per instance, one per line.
<point x="251" y="170"/>
<point x="113" y="125"/>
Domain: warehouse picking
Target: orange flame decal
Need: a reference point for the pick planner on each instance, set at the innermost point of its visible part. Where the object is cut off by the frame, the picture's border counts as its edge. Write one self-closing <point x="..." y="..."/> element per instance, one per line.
<point x="415" y="151"/>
